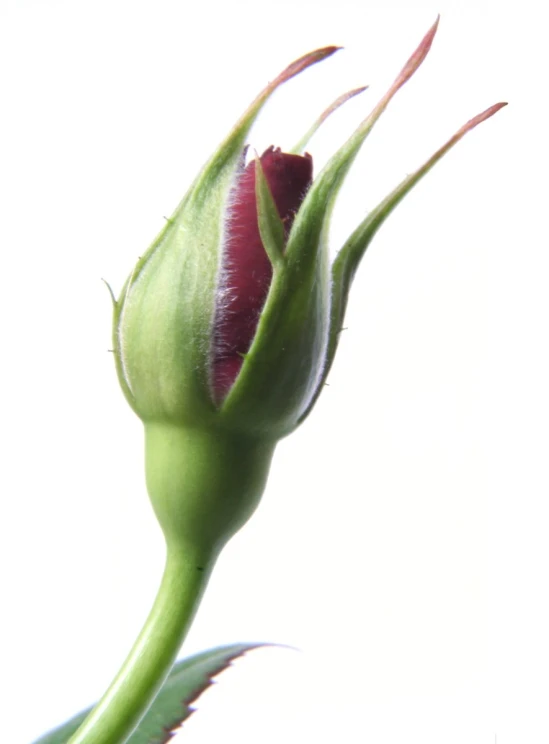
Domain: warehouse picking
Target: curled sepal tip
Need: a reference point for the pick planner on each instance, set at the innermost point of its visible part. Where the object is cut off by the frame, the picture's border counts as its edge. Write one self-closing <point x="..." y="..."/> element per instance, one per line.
<point x="110" y="291"/>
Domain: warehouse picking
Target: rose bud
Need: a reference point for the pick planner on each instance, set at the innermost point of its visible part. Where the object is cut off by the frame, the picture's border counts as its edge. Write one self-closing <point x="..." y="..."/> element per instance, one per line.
<point x="227" y="327"/>
<point x="247" y="270"/>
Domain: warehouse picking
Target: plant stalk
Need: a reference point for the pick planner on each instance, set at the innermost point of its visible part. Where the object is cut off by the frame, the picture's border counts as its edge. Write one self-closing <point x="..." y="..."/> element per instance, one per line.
<point x="203" y="486"/>
<point x="149" y="662"/>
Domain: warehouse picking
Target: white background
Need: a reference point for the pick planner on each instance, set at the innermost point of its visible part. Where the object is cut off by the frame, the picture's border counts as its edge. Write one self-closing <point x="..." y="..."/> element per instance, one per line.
<point x="401" y="544"/>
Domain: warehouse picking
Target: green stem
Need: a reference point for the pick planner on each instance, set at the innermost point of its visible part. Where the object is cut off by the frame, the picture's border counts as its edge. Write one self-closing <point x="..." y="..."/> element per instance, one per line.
<point x="151" y="658"/>
<point x="203" y="486"/>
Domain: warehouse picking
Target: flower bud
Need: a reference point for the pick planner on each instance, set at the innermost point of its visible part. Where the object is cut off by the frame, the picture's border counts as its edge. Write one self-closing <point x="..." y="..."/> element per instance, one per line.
<point x="247" y="272"/>
<point x="229" y="323"/>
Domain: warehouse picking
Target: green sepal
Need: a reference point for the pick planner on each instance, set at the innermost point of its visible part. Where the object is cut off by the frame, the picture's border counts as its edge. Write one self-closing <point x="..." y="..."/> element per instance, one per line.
<point x="164" y="319"/>
<point x="281" y="370"/>
<point x="348" y="259"/>
<point x="188" y="679"/>
<point x="285" y="364"/>
<point x="312" y="221"/>
<point x="271" y="227"/>
<point x="304" y="141"/>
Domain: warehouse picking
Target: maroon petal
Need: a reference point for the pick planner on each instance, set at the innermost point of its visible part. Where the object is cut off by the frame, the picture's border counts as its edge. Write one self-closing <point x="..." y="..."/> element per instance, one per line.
<point x="247" y="270"/>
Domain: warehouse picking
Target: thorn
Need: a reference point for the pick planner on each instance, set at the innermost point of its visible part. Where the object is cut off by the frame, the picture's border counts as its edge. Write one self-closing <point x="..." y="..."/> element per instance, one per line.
<point x="110" y="351"/>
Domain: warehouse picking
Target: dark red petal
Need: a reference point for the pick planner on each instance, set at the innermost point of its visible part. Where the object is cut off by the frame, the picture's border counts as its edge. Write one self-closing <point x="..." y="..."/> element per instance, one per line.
<point x="247" y="271"/>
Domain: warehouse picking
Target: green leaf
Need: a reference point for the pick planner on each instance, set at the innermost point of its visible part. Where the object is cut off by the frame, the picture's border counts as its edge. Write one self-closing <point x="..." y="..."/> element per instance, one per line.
<point x="186" y="682"/>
